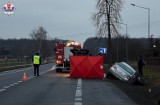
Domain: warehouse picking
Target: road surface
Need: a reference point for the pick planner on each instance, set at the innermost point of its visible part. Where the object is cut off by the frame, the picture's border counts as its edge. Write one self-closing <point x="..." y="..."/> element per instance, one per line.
<point x="52" y="88"/>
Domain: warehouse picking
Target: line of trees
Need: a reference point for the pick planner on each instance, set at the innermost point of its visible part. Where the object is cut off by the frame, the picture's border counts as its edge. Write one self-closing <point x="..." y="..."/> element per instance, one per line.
<point x="39" y="42"/>
<point x="136" y="47"/>
<point x="26" y="47"/>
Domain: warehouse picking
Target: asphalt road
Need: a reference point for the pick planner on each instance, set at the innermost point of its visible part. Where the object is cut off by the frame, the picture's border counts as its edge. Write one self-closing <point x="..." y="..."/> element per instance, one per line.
<point x="52" y="88"/>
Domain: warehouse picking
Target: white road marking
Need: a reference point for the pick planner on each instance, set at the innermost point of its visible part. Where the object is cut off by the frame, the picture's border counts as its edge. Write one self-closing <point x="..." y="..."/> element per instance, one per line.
<point x="5" y="87"/>
<point x="78" y="103"/>
<point x="53" y="67"/>
<point x="16" y="71"/>
<point x="79" y="88"/>
<point x="11" y="85"/>
<point x="16" y="83"/>
<point x="79" y="85"/>
<point x="1" y="90"/>
<point x="78" y="99"/>
<point x="79" y="82"/>
<point x="78" y="96"/>
<point x="45" y="71"/>
<point x="67" y="103"/>
<point x="20" y="81"/>
<point x="30" y="77"/>
<point x="12" y="72"/>
<point x="78" y="93"/>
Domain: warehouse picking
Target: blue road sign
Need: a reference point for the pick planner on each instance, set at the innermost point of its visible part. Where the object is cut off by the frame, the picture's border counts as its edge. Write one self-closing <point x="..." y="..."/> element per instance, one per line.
<point x="103" y="50"/>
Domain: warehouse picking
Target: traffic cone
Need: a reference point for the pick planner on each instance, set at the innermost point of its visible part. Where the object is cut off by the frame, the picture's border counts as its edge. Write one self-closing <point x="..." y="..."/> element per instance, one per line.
<point x="24" y="76"/>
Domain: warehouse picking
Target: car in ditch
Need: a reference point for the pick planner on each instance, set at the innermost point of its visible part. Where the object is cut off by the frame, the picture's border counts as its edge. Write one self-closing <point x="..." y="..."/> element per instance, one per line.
<point x="124" y="72"/>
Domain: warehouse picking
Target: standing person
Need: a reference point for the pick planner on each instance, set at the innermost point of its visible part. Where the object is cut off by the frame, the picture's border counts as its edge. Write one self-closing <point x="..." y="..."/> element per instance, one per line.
<point x="140" y="65"/>
<point x="36" y="63"/>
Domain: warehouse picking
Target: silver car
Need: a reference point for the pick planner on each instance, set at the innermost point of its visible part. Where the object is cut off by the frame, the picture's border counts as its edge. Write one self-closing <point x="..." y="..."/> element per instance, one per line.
<point x="122" y="71"/>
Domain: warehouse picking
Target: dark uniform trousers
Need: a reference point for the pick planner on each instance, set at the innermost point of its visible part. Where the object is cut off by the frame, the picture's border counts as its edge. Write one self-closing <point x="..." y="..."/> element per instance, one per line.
<point x="36" y="69"/>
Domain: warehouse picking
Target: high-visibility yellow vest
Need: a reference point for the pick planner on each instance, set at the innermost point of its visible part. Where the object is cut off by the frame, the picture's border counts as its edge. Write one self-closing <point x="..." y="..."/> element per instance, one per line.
<point x="36" y="59"/>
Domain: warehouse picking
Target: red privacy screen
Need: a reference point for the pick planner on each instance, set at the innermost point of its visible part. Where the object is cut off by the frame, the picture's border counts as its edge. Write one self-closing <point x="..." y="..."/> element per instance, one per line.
<point x="86" y="67"/>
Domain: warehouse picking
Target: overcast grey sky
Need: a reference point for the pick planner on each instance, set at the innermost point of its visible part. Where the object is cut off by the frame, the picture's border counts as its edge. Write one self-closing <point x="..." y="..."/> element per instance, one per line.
<point x="137" y="18"/>
<point x="71" y="19"/>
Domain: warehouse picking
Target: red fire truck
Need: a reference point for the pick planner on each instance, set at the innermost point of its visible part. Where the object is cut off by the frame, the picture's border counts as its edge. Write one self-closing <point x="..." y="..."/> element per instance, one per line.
<point x="62" y="54"/>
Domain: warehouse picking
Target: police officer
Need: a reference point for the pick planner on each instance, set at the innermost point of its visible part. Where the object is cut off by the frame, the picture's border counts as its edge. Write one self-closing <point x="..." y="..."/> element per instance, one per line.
<point x="36" y="63"/>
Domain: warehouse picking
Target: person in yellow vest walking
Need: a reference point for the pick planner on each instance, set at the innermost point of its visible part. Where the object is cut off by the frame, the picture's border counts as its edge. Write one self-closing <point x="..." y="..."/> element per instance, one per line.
<point x="36" y="63"/>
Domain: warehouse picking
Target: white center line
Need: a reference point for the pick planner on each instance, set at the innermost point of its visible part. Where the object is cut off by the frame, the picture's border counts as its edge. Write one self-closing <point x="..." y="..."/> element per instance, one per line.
<point x="79" y="88"/>
<point x="79" y="81"/>
<point x="78" y="96"/>
<point x="78" y="103"/>
<point x="78" y="93"/>
<point x="78" y="99"/>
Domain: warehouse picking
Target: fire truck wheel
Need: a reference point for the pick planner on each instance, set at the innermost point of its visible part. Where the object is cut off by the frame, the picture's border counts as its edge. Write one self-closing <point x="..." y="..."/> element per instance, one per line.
<point x="58" y="70"/>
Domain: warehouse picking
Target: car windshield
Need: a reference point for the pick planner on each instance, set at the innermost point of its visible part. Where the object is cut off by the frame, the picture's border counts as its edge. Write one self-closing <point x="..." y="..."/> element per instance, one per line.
<point x="126" y="67"/>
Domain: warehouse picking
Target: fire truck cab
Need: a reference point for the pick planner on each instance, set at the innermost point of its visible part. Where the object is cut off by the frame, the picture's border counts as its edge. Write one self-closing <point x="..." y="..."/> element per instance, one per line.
<point x="62" y="54"/>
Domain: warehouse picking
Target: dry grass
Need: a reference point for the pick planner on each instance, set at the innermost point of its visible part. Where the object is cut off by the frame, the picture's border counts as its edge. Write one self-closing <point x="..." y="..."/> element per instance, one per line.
<point x="152" y="76"/>
<point x="151" y="72"/>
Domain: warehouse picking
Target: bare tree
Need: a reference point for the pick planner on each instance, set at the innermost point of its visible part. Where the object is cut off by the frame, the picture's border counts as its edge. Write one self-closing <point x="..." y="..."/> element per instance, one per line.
<point x="106" y="20"/>
<point x="40" y="39"/>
